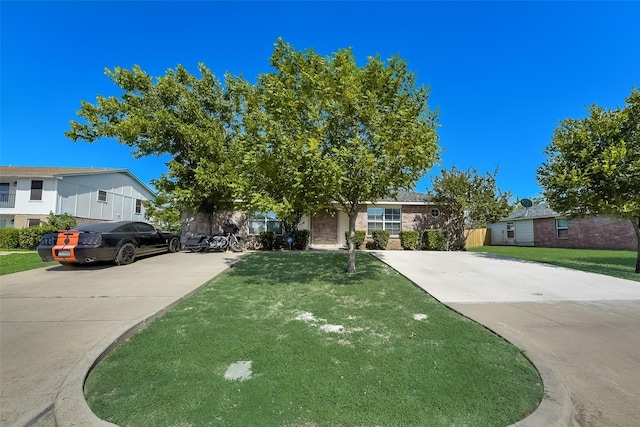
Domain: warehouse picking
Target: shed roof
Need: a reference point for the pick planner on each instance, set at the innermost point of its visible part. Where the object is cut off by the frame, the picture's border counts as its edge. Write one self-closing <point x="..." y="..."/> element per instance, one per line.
<point x="541" y="210"/>
<point x="408" y="197"/>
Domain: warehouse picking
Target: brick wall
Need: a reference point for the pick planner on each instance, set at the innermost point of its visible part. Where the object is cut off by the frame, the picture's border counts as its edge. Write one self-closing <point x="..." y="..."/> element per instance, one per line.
<point x="202" y="224"/>
<point x="21" y="221"/>
<point x="593" y="232"/>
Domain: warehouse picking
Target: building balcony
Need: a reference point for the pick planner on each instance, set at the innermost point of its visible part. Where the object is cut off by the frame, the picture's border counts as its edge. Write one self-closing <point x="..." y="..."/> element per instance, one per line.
<point x="7" y="200"/>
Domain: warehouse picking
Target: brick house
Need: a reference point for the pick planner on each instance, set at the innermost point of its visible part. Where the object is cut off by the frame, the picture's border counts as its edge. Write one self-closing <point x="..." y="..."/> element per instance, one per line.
<point x="541" y="226"/>
<point x="407" y="211"/>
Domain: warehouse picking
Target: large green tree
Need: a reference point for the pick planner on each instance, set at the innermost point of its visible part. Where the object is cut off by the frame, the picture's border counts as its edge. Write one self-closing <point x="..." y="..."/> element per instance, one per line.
<point x="342" y="133"/>
<point x="282" y="115"/>
<point x="593" y="164"/>
<point x="190" y="118"/>
<point x="471" y="201"/>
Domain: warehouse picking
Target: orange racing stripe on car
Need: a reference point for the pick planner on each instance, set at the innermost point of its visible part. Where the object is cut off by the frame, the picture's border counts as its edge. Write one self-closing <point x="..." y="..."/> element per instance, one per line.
<point x="66" y="241"/>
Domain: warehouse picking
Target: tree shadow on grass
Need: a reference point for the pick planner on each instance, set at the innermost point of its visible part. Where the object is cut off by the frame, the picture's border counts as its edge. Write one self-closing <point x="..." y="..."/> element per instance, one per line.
<point x="269" y="268"/>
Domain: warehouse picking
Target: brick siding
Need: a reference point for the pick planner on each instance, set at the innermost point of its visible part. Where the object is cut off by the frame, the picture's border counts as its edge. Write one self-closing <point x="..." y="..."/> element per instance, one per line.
<point x="593" y="232"/>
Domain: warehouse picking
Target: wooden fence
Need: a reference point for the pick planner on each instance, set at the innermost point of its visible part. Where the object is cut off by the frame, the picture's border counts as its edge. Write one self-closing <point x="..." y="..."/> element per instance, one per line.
<point x="479" y="237"/>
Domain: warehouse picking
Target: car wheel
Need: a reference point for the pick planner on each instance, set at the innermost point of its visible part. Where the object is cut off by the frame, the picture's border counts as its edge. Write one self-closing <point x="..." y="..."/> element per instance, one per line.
<point x="126" y="254"/>
<point x="174" y="245"/>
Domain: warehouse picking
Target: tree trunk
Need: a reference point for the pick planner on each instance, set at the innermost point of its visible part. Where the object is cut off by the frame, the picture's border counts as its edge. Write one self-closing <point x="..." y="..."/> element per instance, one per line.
<point x="351" y="267"/>
<point x="636" y="226"/>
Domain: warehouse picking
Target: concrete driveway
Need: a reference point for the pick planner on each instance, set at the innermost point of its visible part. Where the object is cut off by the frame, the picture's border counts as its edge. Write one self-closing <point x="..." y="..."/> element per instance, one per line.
<point x="581" y="330"/>
<point x="56" y="320"/>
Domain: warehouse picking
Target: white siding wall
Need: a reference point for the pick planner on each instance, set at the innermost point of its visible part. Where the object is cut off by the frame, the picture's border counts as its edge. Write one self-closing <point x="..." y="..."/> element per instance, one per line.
<point x="35" y="207"/>
<point x="78" y="196"/>
<point x="498" y="233"/>
<point x="524" y="232"/>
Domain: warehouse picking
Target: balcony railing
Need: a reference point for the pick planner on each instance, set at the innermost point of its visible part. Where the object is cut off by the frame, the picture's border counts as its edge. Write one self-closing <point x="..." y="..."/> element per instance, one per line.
<point x="7" y="200"/>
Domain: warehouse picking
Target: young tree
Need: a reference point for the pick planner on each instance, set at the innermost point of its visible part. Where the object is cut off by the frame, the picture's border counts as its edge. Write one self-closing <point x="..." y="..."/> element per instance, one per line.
<point x="163" y="211"/>
<point x="593" y="165"/>
<point x="190" y="118"/>
<point x="339" y="132"/>
<point x="471" y="201"/>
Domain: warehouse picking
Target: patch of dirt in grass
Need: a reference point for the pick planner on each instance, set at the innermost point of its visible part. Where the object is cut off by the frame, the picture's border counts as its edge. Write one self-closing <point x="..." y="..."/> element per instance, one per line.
<point x="337" y="329"/>
<point x="239" y="371"/>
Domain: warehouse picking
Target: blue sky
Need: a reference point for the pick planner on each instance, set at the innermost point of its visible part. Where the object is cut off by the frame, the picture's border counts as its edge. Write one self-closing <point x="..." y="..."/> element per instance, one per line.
<point x="503" y="74"/>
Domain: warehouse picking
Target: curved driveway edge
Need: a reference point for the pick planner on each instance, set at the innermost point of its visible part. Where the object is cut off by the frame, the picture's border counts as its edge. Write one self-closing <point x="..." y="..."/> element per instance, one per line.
<point x="57" y="322"/>
<point x="579" y="329"/>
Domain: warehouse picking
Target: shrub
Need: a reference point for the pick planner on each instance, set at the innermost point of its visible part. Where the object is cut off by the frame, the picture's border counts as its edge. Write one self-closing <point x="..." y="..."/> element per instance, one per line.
<point x="434" y="240"/>
<point x="62" y="222"/>
<point x="267" y="240"/>
<point x="409" y="240"/>
<point x="9" y="238"/>
<point x="359" y="237"/>
<point x="30" y="237"/>
<point x="380" y="239"/>
<point x="300" y="239"/>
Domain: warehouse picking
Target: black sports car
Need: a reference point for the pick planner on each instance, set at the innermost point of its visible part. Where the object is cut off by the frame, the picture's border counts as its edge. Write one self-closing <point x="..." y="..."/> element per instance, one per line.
<point x="118" y="241"/>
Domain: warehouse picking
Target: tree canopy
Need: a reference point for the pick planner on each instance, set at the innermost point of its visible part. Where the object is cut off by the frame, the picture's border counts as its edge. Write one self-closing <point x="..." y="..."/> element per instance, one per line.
<point x="190" y="118"/>
<point x="593" y="164"/>
<point x="362" y="132"/>
<point x="313" y="132"/>
<point x="472" y="200"/>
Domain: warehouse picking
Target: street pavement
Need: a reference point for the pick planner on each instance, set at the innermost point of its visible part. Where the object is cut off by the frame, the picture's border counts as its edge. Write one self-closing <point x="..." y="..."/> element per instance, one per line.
<point x="581" y="330"/>
<point x="54" y="320"/>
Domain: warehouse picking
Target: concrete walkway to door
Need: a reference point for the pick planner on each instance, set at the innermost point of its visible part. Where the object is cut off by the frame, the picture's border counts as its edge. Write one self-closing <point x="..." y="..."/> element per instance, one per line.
<point x="581" y="330"/>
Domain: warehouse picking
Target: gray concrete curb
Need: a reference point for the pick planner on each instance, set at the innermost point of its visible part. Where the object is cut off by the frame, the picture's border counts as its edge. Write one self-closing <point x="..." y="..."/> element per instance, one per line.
<point x="70" y="407"/>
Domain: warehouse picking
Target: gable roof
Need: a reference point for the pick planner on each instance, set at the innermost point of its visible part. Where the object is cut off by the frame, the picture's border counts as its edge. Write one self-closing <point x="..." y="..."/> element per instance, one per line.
<point x="407" y="197"/>
<point x="51" y="172"/>
<point x="541" y="210"/>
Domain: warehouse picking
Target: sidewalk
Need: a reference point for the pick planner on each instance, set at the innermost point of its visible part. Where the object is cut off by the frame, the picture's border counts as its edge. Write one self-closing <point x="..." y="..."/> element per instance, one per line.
<point x="53" y="320"/>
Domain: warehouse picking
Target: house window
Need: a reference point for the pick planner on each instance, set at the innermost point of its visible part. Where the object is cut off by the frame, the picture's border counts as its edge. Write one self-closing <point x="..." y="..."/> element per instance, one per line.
<point x="562" y="228"/>
<point x="383" y="219"/>
<point x="33" y="222"/>
<point x="138" y="206"/>
<point x="36" y="190"/>
<point x="511" y="231"/>
<point x="265" y="222"/>
<point x="102" y="196"/>
<point x="435" y="213"/>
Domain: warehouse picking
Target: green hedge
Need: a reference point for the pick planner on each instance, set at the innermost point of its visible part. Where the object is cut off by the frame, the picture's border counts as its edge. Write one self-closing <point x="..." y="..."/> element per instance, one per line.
<point x="359" y="237"/>
<point x="267" y="240"/>
<point x="434" y="240"/>
<point x="9" y="238"/>
<point x="24" y="238"/>
<point x="409" y="240"/>
<point x="380" y="239"/>
<point x="300" y="239"/>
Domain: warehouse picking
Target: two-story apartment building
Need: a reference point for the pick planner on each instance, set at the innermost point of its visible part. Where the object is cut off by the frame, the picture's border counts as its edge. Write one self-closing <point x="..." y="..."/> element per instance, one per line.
<point x="29" y="194"/>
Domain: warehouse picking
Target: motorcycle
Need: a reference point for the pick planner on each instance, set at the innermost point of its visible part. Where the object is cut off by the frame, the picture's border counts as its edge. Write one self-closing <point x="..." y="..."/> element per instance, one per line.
<point x="224" y="240"/>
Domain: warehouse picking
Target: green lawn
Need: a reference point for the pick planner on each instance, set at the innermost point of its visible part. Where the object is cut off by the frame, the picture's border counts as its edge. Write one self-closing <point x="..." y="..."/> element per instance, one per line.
<point x="20" y="261"/>
<point x="326" y="349"/>
<point x="612" y="263"/>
